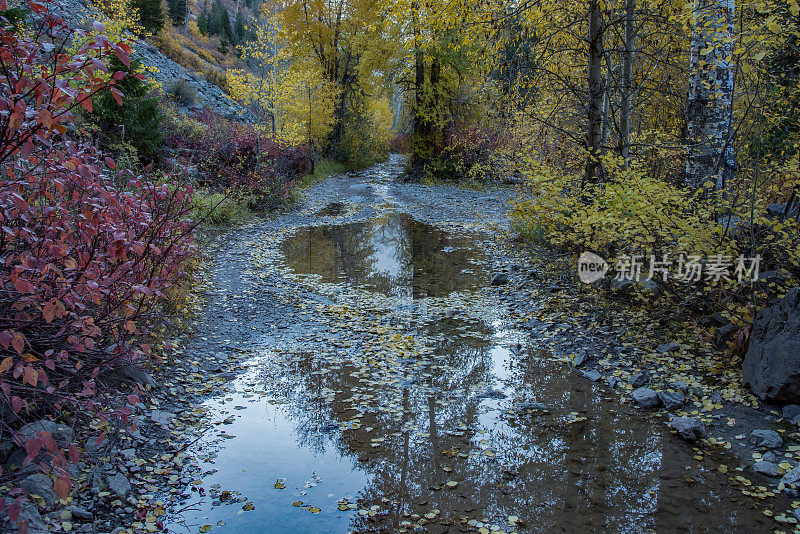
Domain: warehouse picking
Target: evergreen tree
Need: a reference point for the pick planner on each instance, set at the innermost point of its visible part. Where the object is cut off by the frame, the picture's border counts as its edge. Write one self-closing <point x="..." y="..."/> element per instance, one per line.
<point x="221" y="22"/>
<point x="138" y="120"/>
<point x="202" y="19"/>
<point x="178" y="10"/>
<point x="151" y="15"/>
<point x="239" y="30"/>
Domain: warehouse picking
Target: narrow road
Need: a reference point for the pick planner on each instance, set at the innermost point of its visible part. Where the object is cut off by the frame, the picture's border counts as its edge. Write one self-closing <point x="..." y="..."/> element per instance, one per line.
<point x="389" y="387"/>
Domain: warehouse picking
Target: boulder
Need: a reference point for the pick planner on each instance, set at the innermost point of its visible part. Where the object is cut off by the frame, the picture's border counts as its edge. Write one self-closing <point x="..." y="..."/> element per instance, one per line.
<point x="790" y="411"/>
<point x="593" y="375"/>
<point x="41" y="485"/>
<point x="672" y="399"/>
<point x="766" y="438"/>
<point x="119" y="484"/>
<point x="679" y="385"/>
<point x="766" y="468"/>
<point x="646" y="398"/>
<point x="792" y="477"/>
<point x="639" y="379"/>
<point x="771" y="367"/>
<point x="130" y="372"/>
<point x="499" y="279"/>
<point x="580" y="358"/>
<point x="62" y="434"/>
<point x="29" y="516"/>
<point x="626" y="287"/>
<point x="689" y="428"/>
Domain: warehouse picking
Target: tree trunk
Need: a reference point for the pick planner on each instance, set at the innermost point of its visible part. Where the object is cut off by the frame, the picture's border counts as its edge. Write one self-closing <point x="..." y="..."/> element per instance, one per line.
<point x="710" y="146"/>
<point x="595" y="105"/>
<point x="627" y="80"/>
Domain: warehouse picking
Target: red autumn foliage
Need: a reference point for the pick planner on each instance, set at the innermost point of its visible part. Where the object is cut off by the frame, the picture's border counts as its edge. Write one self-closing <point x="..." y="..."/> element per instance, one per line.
<point x="86" y="251"/>
<point x="231" y="154"/>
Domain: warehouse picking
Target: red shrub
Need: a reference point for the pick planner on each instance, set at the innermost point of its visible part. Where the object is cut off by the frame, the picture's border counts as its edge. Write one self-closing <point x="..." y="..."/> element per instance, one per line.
<point x="85" y="252"/>
<point x="232" y="154"/>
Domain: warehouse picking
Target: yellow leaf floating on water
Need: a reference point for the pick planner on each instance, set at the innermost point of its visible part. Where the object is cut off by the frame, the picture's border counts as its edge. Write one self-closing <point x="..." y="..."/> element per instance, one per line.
<point x="451" y="484"/>
<point x="297" y="503"/>
<point x="314" y="510"/>
<point x="248" y="506"/>
<point x="280" y="483"/>
<point x="205" y="528"/>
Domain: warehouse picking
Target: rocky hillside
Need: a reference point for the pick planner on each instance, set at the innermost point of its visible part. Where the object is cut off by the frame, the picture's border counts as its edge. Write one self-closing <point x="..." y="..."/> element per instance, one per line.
<point x="166" y="71"/>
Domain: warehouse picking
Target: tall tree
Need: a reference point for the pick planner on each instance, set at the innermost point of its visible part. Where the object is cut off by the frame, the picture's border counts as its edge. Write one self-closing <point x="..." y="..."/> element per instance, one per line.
<point x="596" y="93"/>
<point x="178" y="11"/>
<point x="626" y="98"/>
<point x="239" y="32"/>
<point x="151" y="15"/>
<point x="708" y="114"/>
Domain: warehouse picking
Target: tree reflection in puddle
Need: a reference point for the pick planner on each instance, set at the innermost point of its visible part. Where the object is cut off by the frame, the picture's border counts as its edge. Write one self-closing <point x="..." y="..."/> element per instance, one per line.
<point x="393" y="254"/>
<point x="481" y="430"/>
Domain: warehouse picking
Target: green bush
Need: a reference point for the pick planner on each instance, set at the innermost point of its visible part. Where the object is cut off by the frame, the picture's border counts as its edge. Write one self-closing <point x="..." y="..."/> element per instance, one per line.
<point x="137" y="121"/>
<point x="220" y="209"/>
<point x="183" y="92"/>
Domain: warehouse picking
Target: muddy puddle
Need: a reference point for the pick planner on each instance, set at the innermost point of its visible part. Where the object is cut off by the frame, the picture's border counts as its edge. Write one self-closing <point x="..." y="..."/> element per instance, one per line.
<point x="448" y="421"/>
<point x="392" y="254"/>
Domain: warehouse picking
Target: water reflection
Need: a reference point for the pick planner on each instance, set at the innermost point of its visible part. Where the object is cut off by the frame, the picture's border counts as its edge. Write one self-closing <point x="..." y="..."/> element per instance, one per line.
<point x="392" y="254"/>
<point x="439" y="441"/>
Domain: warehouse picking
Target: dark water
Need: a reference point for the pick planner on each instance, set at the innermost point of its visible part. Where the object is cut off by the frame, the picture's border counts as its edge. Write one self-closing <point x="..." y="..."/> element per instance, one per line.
<point x="392" y="254"/>
<point x="379" y="440"/>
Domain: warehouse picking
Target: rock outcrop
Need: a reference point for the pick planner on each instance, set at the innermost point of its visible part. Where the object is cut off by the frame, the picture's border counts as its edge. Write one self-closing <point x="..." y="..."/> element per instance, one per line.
<point x="771" y="367"/>
<point x="163" y="69"/>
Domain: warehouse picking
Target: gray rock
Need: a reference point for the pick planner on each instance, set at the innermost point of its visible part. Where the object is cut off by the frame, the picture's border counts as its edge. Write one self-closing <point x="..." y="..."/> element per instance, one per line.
<point x="581" y="358"/>
<point x="119" y="484"/>
<point x="499" y="279"/>
<point x="29" y="515"/>
<point x="627" y="288"/>
<point x="689" y="428"/>
<point x="81" y="513"/>
<point x="679" y="385"/>
<point x="640" y="379"/>
<point x="41" y="485"/>
<point x="62" y="434"/>
<point x="790" y="411"/>
<point x="613" y="381"/>
<point x="672" y="399"/>
<point x="766" y="438"/>
<point x="531" y="407"/>
<point x="715" y="319"/>
<point x="792" y="477"/>
<point x="593" y="375"/>
<point x="665" y="348"/>
<point x="770" y="457"/>
<point x="133" y="373"/>
<point x="723" y="334"/>
<point x="161" y="417"/>
<point x="766" y="468"/>
<point x="646" y="398"/>
<point x="771" y="367"/>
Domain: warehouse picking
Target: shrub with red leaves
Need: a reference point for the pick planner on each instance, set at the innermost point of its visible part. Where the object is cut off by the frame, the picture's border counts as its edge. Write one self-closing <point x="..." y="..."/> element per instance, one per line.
<point x="86" y="252"/>
<point x="231" y="154"/>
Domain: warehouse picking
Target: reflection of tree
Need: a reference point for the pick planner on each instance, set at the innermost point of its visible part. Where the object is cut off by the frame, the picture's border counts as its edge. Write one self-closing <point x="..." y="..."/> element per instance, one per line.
<point x="557" y="475"/>
<point x="393" y="254"/>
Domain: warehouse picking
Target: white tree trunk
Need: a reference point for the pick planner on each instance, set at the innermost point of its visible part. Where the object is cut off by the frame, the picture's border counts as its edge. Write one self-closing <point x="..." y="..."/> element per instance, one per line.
<point x="710" y="146"/>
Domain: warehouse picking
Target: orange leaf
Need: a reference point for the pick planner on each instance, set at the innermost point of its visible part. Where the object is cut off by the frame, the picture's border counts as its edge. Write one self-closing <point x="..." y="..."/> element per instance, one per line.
<point x="62" y="487"/>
